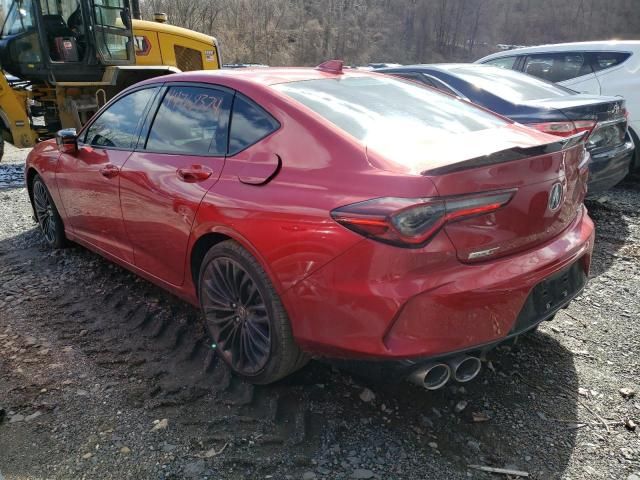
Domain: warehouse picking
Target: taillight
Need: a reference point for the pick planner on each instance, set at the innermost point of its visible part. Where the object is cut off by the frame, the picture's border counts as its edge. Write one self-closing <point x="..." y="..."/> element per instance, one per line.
<point x="412" y="222"/>
<point x="564" y="129"/>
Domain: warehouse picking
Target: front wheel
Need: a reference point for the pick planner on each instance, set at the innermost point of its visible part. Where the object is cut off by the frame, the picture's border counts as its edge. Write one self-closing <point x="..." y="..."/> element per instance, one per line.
<point x="244" y="315"/>
<point x="47" y="215"/>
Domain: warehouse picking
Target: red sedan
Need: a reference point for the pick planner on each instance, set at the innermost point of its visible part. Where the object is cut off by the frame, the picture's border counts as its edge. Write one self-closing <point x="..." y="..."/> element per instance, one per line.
<point x="321" y="212"/>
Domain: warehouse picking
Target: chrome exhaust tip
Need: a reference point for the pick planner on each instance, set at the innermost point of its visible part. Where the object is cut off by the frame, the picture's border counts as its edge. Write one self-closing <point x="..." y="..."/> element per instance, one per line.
<point x="431" y="377"/>
<point x="465" y="368"/>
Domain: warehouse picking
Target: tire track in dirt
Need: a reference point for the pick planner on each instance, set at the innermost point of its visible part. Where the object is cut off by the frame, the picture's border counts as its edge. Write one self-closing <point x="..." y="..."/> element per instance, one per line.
<point x="158" y="347"/>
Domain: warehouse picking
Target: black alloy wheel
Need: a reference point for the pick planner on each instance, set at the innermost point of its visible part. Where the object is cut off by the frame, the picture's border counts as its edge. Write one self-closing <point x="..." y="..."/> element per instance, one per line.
<point x="245" y="317"/>
<point x="237" y="315"/>
<point x="47" y="215"/>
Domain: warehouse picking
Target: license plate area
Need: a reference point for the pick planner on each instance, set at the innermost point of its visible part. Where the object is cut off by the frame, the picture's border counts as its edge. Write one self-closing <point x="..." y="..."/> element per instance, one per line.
<point x="556" y="290"/>
<point x="549" y="295"/>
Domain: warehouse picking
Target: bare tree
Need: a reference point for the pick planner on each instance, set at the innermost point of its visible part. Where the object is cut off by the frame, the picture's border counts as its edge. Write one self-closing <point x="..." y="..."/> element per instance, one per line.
<point x="305" y="32"/>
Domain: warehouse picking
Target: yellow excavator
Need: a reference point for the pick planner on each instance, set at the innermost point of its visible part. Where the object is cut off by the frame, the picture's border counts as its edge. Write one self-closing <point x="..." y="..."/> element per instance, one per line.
<point x="62" y="60"/>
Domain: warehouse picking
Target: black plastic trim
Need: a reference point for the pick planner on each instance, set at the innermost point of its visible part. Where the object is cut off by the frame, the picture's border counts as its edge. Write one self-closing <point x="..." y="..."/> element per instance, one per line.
<point x="508" y="155"/>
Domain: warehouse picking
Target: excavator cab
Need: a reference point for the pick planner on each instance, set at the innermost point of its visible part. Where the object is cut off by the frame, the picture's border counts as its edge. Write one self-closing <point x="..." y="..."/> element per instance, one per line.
<point x="65" y="40"/>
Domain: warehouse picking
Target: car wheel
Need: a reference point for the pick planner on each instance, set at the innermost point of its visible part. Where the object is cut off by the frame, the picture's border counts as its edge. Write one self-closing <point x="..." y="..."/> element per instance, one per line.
<point x="245" y="317"/>
<point x="1" y="146"/>
<point x="635" y="162"/>
<point x="47" y="215"/>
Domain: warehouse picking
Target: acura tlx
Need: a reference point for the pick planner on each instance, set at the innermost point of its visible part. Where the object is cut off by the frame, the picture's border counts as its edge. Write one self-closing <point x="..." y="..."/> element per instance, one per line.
<point x="326" y="212"/>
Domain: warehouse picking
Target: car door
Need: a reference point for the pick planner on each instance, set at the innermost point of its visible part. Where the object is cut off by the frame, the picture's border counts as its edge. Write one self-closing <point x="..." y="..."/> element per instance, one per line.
<point x="89" y="179"/>
<point x="570" y="69"/>
<point x="178" y="159"/>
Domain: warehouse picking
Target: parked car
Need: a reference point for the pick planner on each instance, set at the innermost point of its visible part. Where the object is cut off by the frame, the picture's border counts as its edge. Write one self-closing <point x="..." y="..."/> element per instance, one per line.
<point x="542" y="105"/>
<point x="599" y="68"/>
<point x="326" y="212"/>
<point x="373" y="66"/>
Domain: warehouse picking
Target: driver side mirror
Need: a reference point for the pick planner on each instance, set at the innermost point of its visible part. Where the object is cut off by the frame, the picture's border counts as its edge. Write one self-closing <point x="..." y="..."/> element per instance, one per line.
<point x="67" y="140"/>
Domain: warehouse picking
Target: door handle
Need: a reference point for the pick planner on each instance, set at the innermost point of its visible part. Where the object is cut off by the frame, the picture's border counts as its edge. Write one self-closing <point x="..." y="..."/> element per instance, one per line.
<point x="109" y="171"/>
<point x="194" y="173"/>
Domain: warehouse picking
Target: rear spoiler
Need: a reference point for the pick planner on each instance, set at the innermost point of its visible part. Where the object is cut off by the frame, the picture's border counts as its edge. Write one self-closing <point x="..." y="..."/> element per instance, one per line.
<point x="510" y="154"/>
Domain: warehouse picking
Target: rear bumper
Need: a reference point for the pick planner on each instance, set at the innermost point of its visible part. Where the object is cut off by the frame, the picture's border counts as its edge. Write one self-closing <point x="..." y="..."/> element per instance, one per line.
<point x="608" y="168"/>
<point x="380" y="302"/>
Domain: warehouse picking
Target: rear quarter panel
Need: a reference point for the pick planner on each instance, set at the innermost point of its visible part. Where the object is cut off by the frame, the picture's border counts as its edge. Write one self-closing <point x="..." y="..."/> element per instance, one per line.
<point x="286" y="223"/>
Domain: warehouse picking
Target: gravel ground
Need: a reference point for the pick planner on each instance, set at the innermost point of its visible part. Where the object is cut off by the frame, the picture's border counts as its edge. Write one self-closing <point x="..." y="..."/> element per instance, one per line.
<point x="104" y="376"/>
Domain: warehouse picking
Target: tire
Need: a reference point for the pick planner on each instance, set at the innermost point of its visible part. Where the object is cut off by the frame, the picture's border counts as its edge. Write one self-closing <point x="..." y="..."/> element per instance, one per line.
<point x="245" y="317"/>
<point x="635" y="161"/>
<point x="47" y="215"/>
<point x="1" y="146"/>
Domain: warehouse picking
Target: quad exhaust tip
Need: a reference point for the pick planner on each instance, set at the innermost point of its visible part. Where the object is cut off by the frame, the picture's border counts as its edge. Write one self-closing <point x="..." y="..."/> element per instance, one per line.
<point x="465" y="368"/>
<point x="431" y="377"/>
<point x="436" y="375"/>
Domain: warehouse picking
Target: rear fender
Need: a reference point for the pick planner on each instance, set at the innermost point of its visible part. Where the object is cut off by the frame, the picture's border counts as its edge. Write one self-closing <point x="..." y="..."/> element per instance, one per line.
<point x="202" y="228"/>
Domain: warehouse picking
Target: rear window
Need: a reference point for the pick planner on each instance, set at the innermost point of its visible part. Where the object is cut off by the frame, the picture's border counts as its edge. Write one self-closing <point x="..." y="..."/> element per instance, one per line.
<point x="557" y="67"/>
<point x="192" y="121"/>
<point x="385" y="110"/>
<point x="512" y="86"/>
<point x="604" y="60"/>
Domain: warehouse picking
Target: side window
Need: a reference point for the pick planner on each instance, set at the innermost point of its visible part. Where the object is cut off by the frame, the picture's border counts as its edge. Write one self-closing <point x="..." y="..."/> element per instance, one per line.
<point x="191" y="120"/>
<point x="19" y="19"/>
<point x="603" y="60"/>
<point x="557" y="67"/>
<point x="249" y="124"/>
<point x="117" y="126"/>
<point x="187" y="59"/>
<point x="504" y="62"/>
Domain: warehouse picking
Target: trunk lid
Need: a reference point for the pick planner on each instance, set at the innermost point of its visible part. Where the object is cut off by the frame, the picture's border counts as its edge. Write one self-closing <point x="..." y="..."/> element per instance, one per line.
<point x="609" y="113"/>
<point x="584" y="107"/>
<point x="549" y="183"/>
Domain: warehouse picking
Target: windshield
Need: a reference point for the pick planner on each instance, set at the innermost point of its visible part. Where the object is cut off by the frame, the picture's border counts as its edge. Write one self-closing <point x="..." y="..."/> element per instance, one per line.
<point x="513" y="86"/>
<point x="385" y="111"/>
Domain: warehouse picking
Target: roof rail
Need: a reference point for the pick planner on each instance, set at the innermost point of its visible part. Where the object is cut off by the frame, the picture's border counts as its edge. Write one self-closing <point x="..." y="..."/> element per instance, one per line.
<point x="331" y="66"/>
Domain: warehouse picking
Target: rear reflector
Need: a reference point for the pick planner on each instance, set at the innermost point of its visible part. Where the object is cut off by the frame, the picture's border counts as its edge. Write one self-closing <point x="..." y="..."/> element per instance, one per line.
<point x="412" y="222"/>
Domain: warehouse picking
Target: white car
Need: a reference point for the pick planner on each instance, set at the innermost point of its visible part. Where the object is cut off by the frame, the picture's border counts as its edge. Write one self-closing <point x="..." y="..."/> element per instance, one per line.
<point x="602" y="68"/>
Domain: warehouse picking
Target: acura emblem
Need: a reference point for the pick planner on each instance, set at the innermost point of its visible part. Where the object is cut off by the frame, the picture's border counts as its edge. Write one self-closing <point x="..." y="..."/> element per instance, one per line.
<point x="555" y="197"/>
<point x="615" y="110"/>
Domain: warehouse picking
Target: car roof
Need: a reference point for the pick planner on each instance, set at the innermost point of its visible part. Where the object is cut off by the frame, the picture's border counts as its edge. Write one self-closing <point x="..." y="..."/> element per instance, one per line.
<point x="264" y="76"/>
<point x="435" y="66"/>
<point x="602" y="46"/>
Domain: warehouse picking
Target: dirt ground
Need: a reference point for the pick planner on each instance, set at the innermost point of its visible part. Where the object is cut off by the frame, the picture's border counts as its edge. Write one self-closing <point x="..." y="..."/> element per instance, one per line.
<point x="104" y="376"/>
